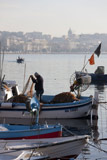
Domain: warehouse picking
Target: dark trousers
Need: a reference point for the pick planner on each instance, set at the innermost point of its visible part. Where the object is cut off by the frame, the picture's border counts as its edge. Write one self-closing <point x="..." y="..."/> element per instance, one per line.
<point x="39" y="94"/>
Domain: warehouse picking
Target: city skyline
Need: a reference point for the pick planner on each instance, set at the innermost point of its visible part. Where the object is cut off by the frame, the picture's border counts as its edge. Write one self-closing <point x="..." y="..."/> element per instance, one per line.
<point x="54" y="17"/>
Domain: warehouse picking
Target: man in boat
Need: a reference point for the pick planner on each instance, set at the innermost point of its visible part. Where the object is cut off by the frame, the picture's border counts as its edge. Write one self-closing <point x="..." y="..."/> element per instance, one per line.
<point x="38" y="80"/>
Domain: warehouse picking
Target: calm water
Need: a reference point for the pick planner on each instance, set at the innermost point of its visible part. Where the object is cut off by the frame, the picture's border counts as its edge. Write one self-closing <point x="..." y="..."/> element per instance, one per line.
<point x="56" y="70"/>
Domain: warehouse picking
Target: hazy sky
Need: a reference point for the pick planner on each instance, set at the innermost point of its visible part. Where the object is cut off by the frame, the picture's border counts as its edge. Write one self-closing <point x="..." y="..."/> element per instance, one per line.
<point x="54" y="17"/>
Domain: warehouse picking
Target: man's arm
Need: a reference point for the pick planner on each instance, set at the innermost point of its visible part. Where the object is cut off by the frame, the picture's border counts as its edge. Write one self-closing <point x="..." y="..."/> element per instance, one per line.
<point x="33" y="79"/>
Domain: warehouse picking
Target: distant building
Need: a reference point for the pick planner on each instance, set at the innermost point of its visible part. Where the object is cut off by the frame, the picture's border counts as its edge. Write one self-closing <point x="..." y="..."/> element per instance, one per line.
<point x="70" y="34"/>
<point x="36" y="42"/>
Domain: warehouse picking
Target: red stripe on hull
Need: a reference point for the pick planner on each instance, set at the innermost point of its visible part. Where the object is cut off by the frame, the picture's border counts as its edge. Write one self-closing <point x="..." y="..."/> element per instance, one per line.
<point x="48" y="135"/>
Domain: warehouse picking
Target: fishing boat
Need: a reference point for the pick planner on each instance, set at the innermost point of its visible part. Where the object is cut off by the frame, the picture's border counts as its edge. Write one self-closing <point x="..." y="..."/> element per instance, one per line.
<point x="66" y="105"/>
<point x="20" y="60"/>
<point x="54" y="148"/>
<point x="75" y="109"/>
<point x="22" y="113"/>
<point x="36" y="131"/>
<point x="97" y="78"/>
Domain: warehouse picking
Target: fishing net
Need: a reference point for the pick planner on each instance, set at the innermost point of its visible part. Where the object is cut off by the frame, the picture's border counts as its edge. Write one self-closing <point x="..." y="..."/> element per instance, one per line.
<point x="28" y="88"/>
<point x="64" y="97"/>
<point x="25" y="89"/>
<point x="18" y="99"/>
<point x="26" y="93"/>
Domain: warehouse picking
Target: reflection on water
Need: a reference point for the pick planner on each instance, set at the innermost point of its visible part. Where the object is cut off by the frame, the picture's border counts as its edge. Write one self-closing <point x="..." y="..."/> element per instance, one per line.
<point x="97" y="149"/>
<point x="76" y="126"/>
<point x="100" y="88"/>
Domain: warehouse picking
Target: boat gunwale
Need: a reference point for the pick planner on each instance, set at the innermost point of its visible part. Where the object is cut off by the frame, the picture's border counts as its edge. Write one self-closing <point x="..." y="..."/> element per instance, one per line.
<point x="77" y="104"/>
<point x="64" y="141"/>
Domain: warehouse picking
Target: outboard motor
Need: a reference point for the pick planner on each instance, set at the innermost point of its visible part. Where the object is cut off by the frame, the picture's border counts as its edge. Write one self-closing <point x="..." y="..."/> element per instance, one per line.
<point x="85" y="79"/>
<point x="28" y="104"/>
<point x="33" y="106"/>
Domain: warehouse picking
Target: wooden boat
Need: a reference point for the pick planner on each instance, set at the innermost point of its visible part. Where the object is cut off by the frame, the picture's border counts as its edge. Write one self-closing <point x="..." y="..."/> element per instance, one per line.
<point x="20" y="60"/>
<point x="98" y="77"/>
<point x="63" y="147"/>
<point x="67" y="105"/>
<point x="29" y="132"/>
<point x="75" y="109"/>
<point x="20" y="113"/>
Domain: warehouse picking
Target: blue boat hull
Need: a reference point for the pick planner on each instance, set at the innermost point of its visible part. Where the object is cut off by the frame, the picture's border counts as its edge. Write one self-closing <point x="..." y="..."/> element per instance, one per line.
<point x="13" y="132"/>
<point x="98" y="78"/>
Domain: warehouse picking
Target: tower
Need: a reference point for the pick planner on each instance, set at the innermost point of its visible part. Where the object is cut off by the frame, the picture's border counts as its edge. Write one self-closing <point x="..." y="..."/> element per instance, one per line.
<point x="69" y="33"/>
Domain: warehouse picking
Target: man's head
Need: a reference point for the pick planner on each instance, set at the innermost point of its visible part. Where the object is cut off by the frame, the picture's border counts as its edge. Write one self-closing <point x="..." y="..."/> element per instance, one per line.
<point x="36" y="74"/>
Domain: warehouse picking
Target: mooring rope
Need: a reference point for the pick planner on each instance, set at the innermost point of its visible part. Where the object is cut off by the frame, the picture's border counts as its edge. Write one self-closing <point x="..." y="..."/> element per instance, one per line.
<point x="87" y="142"/>
<point x="103" y="107"/>
<point x="69" y="131"/>
<point x="100" y="103"/>
<point x="97" y="147"/>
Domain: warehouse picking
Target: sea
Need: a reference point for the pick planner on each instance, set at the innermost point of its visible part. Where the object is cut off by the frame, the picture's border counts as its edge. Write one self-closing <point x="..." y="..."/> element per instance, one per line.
<point x="57" y="70"/>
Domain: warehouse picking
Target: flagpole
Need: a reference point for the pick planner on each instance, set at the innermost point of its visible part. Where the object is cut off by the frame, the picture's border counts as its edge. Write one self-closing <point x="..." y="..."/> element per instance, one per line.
<point x="84" y="66"/>
<point x="97" y="52"/>
<point x="84" y="61"/>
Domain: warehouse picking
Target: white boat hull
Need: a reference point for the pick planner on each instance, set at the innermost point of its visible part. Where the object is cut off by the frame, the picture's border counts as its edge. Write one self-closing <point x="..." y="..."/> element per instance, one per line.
<point x="18" y="114"/>
<point x="68" y="149"/>
<point x="69" y="113"/>
<point x="74" y="109"/>
<point x="54" y="147"/>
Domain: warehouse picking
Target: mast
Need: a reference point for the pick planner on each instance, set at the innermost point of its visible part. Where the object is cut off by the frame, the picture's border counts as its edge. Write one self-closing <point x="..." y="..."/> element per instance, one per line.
<point x="0" y="66"/>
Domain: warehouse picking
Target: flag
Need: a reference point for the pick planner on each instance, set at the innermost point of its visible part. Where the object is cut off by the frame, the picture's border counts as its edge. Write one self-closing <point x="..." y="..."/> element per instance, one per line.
<point x="91" y="60"/>
<point x="98" y="50"/>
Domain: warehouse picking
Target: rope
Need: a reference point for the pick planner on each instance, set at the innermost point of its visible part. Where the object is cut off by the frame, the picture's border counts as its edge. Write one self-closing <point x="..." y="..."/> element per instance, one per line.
<point x="6" y="87"/>
<point x="69" y="131"/>
<point x="100" y="104"/>
<point x="87" y="143"/>
<point x="103" y="107"/>
<point x="97" y="148"/>
<point x="30" y="93"/>
<point x="26" y="86"/>
<point x="30" y="156"/>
